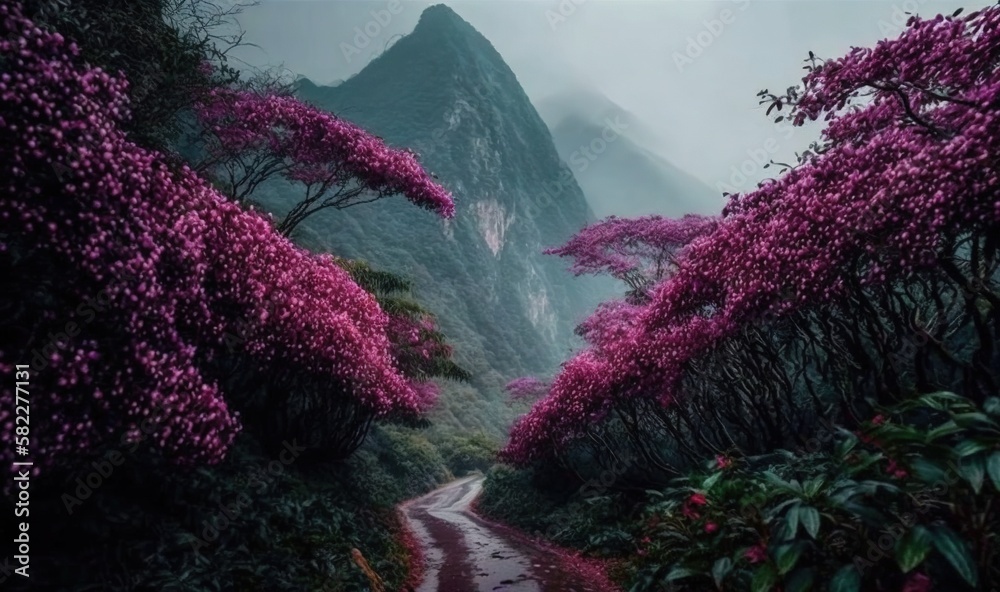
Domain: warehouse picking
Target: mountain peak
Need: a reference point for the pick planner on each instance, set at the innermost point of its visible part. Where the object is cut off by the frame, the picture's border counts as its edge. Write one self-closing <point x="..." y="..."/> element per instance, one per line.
<point x="450" y="41"/>
<point x="443" y="58"/>
<point x="439" y="16"/>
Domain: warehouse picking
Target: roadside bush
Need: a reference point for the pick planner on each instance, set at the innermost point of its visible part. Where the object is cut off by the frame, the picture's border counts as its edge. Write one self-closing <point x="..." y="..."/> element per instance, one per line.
<point x="578" y="518"/>
<point x="905" y="503"/>
<point x="251" y="523"/>
<point x="466" y="453"/>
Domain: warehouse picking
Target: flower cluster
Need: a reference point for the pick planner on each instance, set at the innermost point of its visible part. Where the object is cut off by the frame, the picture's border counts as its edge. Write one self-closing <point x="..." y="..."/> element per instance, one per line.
<point x="635" y="250"/>
<point x="610" y="323"/>
<point x="757" y="553"/>
<point x="196" y="266"/>
<point x="691" y="505"/>
<point x="418" y="349"/>
<point x="904" y="171"/>
<point x="526" y="388"/>
<point x="313" y="147"/>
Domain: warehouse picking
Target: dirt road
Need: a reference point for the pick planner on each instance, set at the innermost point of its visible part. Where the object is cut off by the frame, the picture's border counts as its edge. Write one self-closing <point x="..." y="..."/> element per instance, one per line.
<point x="464" y="553"/>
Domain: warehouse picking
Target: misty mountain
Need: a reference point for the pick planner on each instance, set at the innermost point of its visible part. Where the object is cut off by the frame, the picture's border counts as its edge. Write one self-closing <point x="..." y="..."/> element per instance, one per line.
<point x="612" y="156"/>
<point x="445" y="92"/>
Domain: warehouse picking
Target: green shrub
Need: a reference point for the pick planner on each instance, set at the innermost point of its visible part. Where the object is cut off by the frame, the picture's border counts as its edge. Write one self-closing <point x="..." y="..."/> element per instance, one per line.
<point x="466" y="453"/>
<point x="908" y="501"/>
<point x="250" y="523"/>
<point x="580" y="518"/>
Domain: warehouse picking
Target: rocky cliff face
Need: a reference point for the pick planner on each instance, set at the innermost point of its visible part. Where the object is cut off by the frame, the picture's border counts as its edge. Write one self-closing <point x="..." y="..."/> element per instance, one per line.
<point x="446" y="93"/>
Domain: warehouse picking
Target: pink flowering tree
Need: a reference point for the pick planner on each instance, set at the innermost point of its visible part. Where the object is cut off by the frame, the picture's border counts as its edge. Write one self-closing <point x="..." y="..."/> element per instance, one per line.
<point x="610" y="323"/>
<point x="869" y="270"/>
<point x="136" y="273"/>
<point x="526" y="388"/>
<point x="637" y="251"/>
<point x="253" y="137"/>
<point x="640" y="252"/>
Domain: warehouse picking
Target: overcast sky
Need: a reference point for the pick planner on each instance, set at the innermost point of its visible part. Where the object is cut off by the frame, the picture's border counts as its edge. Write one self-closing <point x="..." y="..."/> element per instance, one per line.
<point x="690" y="70"/>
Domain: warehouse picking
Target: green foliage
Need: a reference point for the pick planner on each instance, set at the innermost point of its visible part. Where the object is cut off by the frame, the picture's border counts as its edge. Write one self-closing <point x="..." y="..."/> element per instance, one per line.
<point x="508" y="494"/>
<point x="160" y="45"/>
<point x="401" y="463"/>
<point x="253" y="522"/>
<point x="906" y="496"/>
<point x="464" y="453"/>
<point x="378" y="282"/>
<point x="911" y="495"/>
<point x="576" y="518"/>
<point x="393" y="293"/>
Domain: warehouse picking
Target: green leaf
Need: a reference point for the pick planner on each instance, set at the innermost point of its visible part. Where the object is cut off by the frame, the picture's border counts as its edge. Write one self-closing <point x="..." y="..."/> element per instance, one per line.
<point x="956" y="552"/>
<point x="763" y="579"/>
<point x="720" y="569"/>
<point x="708" y="483"/>
<point x="942" y="396"/>
<point x="871" y="487"/>
<point x="814" y="485"/>
<point x="791" y="523"/>
<point x="847" y="579"/>
<point x="800" y="580"/>
<point x="993" y="469"/>
<point x="868" y="515"/>
<point x="946" y="429"/>
<point x="788" y="502"/>
<point x="970" y="447"/>
<point x="973" y="470"/>
<point x="867" y="461"/>
<point x="647" y="578"/>
<point x="927" y="471"/>
<point x="785" y="556"/>
<point x="809" y="519"/>
<point x="912" y="549"/>
<point x="845" y="447"/>
<point x="778" y="482"/>
<point x="679" y="573"/>
<point x="966" y="420"/>
<point x="992" y="406"/>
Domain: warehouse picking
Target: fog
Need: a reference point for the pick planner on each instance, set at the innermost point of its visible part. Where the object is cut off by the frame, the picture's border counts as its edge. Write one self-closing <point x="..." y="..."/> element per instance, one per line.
<point x="689" y="71"/>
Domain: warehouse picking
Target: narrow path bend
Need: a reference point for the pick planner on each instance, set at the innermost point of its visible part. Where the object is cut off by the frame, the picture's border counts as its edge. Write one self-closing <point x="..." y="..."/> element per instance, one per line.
<point x="464" y="553"/>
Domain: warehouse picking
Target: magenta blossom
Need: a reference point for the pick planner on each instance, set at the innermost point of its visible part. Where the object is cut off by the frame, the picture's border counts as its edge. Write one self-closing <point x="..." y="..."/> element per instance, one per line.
<point x="904" y="172"/>
<point x="253" y="137"/>
<point x="178" y="270"/>
<point x="526" y="388"/>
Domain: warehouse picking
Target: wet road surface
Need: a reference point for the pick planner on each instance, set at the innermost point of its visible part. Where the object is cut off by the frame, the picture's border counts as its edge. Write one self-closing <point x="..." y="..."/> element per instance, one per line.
<point x="463" y="553"/>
